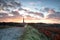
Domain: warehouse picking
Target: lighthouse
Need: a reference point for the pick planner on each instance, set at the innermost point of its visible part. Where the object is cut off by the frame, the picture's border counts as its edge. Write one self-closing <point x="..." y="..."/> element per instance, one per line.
<point x="23" y="20"/>
<point x="24" y="24"/>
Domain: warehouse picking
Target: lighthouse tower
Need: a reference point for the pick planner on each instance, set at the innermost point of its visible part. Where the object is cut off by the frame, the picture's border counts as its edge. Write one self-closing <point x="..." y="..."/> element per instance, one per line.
<point x="23" y="20"/>
<point x="24" y="24"/>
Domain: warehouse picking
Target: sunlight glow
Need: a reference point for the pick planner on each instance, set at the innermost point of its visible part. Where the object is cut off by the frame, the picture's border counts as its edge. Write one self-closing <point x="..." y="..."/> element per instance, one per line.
<point x="10" y="15"/>
<point x="22" y="12"/>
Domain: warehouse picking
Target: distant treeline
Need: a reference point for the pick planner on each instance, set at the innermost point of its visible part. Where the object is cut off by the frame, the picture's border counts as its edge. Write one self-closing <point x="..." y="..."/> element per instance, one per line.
<point x="11" y="24"/>
<point x="36" y="25"/>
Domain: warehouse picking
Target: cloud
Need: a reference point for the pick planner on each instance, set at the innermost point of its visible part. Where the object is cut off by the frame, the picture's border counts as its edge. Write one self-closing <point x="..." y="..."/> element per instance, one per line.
<point x="15" y="13"/>
<point x="51" y="11"/>
<point x="55" y="15"/>
<point x="27" y="11"/>
<point x="11" y="19"/>
<point x="46" y="9"/>
<point x="32" y="3"/>
<point x="35" y="14"/>
<point x="3" y="14"/>
<point x="9" y="4"/>
<point x="51" y="14"/>
<point x="26" y="8"/>
<point x="6" y="14"/>
<point x="39" y="14"/>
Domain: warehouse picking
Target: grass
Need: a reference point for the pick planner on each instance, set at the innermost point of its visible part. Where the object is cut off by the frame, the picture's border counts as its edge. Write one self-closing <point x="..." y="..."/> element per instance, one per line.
<point x="33" y="34"/>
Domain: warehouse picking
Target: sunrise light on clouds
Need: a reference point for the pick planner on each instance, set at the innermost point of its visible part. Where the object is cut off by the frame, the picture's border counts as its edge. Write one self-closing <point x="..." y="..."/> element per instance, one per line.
<point x="33" y="11"/>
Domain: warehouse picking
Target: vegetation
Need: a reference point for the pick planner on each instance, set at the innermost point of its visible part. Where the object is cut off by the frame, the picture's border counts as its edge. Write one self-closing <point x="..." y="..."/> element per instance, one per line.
<point x="33" y="34"/>
<point x="10" y="24"/>
<point x="46" y="31"/>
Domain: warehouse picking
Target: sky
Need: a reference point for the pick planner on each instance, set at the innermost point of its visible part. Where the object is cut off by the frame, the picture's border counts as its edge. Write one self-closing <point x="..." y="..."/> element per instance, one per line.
<point x="34" y="10"/>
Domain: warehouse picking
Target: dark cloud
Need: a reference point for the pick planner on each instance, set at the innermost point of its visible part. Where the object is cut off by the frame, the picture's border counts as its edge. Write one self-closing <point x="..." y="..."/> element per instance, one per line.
<point x="51" y="11"/>
<point x="8" y="5"/>
<point x="45" y="9"/>
<point x="55" y="15"/>
<point x="5" y="4"/>
<point x="15" y="13"/>
<point x="51" y="14"/>
<point x="3" y="14"/>
<point x="33" y="14"/>
<point x="39" y="14"/>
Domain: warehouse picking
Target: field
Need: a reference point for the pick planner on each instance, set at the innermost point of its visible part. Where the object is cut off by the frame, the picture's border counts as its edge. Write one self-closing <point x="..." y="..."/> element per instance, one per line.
<point x="33" y="31"/>
<point x="51" y="31"/>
